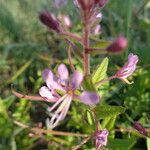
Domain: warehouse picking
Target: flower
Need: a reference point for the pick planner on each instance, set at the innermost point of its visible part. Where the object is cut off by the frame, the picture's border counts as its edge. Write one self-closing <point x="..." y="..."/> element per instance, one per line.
<point x="61" y="82"/>
<point x="118" y="45"/>
<point x="128" y="68"/>
<point x="101" y="138"/>
<point x="49" y="20"/>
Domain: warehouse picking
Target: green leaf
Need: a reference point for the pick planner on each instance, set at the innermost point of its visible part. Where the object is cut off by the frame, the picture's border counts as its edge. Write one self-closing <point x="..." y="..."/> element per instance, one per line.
<point x="20" y="71"/>
<point x="3" y="110"/>
<point x="88" y="84"/>
<point x="148" y="143"/>
<point x="109" y="122"/>
<point x="121" y="144"/>
<point x="100" y="73"/>
<point x="101" y="44"/>
<point x="108" y="111"/>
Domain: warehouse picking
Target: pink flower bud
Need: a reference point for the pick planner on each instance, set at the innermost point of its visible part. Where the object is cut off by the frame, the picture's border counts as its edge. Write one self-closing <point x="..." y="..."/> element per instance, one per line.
<point x="118" y="45"/>
<point x="138" y="126"/>
<point x="102" y="3"/>
<point x="49" y="20"/>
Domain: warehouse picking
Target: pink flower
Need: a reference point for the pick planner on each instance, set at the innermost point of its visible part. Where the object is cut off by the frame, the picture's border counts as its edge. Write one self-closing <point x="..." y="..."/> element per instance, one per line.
<point x="61" y="84"/>
<point x="128" y="68"/>
<point x="101" y="138"/>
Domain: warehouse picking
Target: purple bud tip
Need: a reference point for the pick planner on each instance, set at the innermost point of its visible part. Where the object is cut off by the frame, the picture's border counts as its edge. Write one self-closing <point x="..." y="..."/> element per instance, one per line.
<point x="49" y="20"/>
<point x="138" y="126"/>
<point x="118" y="45"/>
<point x="101" y="3"/>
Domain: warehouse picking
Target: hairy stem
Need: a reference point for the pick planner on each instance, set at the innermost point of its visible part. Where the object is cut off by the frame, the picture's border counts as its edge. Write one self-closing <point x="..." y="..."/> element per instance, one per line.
<point x="86" y="61"/>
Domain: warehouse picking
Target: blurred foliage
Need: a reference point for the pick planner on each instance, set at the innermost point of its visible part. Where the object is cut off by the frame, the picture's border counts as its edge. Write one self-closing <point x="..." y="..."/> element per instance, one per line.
<point x="26" y="48"/>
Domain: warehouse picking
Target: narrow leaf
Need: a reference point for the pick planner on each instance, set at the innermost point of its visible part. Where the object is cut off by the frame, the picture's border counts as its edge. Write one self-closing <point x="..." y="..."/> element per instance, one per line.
<point x="20" y="71"/>
<point x="148" y="143"/>
<point x="100" y="73"/>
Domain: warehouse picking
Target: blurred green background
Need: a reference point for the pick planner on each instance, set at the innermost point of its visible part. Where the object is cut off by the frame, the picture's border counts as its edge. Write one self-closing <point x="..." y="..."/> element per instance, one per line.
<point x="27" y="47"/>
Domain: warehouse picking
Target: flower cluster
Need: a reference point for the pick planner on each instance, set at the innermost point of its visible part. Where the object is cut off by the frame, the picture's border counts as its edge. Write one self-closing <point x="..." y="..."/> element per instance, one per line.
<point x="62" y="89"/>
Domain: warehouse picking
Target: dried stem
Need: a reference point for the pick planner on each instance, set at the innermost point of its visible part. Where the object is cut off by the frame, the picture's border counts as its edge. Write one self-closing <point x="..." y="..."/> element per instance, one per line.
<point x="105" y="80"/>
<point x="82" y="143"/>
<point x="39" y="131"/>
<point x="34" y="98"/>
<point x="131" y="130"/>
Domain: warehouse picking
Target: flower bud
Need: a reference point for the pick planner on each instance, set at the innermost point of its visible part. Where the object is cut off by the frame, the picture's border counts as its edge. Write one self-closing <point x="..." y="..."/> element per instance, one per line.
<point x="102" y="3"/>
<point x="118" y="45"/>
<point x="140" y="128"/>
<point x="49" y="20"/>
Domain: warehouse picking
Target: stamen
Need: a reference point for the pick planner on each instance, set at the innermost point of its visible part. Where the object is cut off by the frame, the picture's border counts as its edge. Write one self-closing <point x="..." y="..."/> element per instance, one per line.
<point x="63" y="109"/>
<point x="57" y="103"/>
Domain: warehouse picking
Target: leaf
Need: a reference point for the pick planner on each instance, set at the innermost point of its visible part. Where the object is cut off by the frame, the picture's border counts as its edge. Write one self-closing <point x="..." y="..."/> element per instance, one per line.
<point x="108" y="111"/>
<point x="148" y="143"/>
<point x="100" y="73"/>
<point x="88" y="84"/>
<point x="109" y="122"/>
<point x="8" y="101"/>
<point x="101" y="44"/>
<point x="6" y="18"/>
<point x="20" y="71"/>
<point x="121" y="144"/>
<point x="3" y="110"/>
